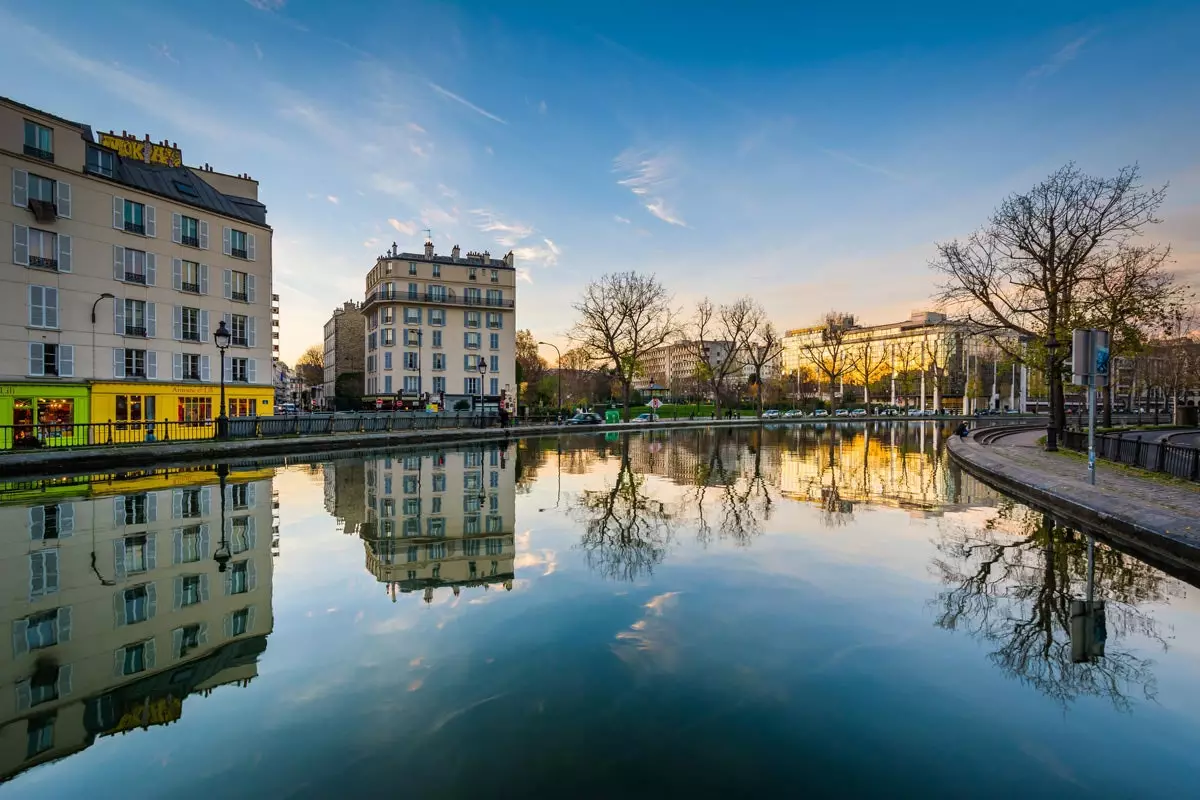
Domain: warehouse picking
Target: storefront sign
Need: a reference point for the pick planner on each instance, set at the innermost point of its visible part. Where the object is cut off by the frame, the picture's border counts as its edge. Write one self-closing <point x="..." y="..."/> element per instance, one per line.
<point x="149" y="152"/>
<point x="153" y="712"/>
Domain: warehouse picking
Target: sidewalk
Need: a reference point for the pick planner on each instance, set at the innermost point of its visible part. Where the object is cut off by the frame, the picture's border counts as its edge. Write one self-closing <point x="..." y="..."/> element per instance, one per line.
<point x="1151" y="516"/>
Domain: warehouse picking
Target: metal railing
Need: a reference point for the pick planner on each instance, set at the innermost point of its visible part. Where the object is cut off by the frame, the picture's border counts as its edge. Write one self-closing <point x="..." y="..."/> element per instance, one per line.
<point x="1177" y="460"/>
<point x="135" y="227"/>
<point x="448" y="299"/>
<point x="99" y="434"/>
<point x="190" y="241"/>
<point x="37" y="152"/>
<point x="194" y="288"/>
<point x="135" y="277"/>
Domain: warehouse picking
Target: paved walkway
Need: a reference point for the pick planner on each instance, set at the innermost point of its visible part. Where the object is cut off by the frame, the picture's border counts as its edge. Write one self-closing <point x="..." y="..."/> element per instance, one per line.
<point x="1150" y="515"/>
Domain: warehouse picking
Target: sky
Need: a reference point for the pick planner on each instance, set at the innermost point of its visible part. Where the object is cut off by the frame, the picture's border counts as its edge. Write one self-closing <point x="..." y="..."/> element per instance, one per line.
<point x="807" y="154"/>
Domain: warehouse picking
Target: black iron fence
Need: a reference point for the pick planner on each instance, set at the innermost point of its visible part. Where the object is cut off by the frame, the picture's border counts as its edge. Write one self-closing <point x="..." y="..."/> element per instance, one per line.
<point x="1177" y="460"/>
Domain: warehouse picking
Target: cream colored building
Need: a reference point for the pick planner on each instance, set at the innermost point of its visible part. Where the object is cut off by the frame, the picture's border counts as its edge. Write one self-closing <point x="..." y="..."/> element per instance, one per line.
<point x="119" y="264"/>
<point x="117" y="610"/>
<point x="674" y="366"/>
<point x="442" y="519"/>
<point x="431" y="318"/>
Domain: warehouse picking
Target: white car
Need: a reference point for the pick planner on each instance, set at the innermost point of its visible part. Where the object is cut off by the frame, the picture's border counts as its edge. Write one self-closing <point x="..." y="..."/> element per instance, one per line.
<point x="793" y="413"/>
<point x="914" y="412"/>
<point x="820" y="412"/>
<point x="770" y="414"/>
<point x="841" y="412"/>
<point x="858" y="412"/>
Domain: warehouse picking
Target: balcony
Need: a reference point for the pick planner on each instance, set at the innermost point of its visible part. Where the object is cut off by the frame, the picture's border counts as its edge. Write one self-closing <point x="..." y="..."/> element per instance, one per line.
<point x="447" y="299"/>
<point x="135" y="277"/>
<point x="43" y="263"/>
<point x="43" y="210"/>
<point x="194" y="288"/>
<point x="240" y="296"/>
<point x="135" y="227"/>
<point x="136" y="330"/>
<point x="190" y="241"/>
<point x="237" y="253"/>
<point x="37" y="152"/>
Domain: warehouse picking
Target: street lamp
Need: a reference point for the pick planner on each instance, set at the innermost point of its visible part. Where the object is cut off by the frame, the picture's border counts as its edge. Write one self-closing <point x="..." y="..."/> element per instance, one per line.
<point x="482" y="367"/>
<point x="221" y="556"/>
<point x="222" y="337"/>
<point x="557" y="369"/>
<point x="104" y="296"/>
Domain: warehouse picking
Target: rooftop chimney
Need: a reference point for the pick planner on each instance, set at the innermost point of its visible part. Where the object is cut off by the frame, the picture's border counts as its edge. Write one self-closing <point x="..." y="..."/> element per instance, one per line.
<point x="487" y="258"/>
<point x="510" y="259"/>
<point x="454" y="253"/>
<point x="428" y="249"/>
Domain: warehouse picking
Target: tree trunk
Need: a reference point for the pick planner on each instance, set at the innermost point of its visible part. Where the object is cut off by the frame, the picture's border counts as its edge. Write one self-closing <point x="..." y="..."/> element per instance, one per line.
<point x="1054" y="390"/>
<point x="832" y="389"/>
<point x="627" y="386"/>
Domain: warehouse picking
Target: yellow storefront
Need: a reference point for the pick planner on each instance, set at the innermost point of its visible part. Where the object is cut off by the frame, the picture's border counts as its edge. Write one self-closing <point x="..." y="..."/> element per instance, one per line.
<point x="188" y="408"/>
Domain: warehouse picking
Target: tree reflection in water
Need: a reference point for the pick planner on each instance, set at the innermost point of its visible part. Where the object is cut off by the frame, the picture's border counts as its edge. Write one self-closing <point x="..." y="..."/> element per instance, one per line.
<point x="1013" y="591"/>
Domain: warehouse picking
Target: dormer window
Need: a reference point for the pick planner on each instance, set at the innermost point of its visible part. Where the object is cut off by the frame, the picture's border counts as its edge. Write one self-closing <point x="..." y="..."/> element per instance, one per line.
<point x="39" y="141"/>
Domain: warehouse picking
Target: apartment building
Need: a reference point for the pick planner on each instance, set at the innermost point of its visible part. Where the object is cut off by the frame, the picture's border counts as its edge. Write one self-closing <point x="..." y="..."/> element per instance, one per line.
<point x="444" y="519"/>
<point x="345" y="349"/>
<point x="433" y="320"/>
<point x="123" y="264"/>
<point x="118" y="610"/>
<point x="673" y="368"/>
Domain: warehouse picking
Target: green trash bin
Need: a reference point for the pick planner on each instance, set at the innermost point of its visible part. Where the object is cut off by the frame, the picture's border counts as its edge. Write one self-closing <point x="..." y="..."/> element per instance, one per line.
<point x="612" y="416"/>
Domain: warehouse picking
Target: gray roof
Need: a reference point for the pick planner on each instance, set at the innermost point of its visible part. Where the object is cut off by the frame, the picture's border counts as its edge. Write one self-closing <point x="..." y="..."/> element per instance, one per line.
<point x="470" y="260"/>
<point x="160" y="180"/>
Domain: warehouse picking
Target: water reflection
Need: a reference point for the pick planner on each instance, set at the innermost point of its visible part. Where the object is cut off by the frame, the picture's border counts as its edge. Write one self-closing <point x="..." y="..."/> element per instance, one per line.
<point x="118" y="609"/>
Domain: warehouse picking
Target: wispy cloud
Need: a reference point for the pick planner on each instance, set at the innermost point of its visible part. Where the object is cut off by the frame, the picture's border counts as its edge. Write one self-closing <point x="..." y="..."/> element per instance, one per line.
<point x="164" y="52"/>
<point x="510" y="232"/>
<point x="620" y="219"/>
<point x="545" y="254"/>
<point x="267" y="5"/>
<point x="465" y="102"/>
<point x="417" y="150"/>
<point x="258" y="51"/>
<point x="381" y="182"/>
<point x="407" y="228"/>
<point x="1064" y="55"/>
<point x="333" y="198"/>
<point x="649" y="176"/>
<point x="415" y="128"/>
<point x="433" y="216"/>
<point x="857" y="162"/>
<point x="372" y="242"/>
<point x="542" y="107"/>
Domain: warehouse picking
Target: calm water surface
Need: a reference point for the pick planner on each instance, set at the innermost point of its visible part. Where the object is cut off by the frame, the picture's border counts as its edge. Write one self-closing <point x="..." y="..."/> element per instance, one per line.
<point x="821" y="611"/>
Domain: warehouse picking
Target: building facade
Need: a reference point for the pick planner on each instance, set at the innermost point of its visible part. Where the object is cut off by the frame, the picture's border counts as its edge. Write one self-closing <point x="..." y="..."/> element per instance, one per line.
<point x="120" y="265"/>
<point x="432" y="320"/>
<point x="674" y="367"/>
<point x="345" y="348"/>
<point x="117" y="608"/>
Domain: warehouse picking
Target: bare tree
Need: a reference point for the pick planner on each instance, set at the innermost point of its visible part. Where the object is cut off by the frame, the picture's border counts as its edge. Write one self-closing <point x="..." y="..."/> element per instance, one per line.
<point x="828" y="352"/>
<point x="623" y="316"/>
<point x="1026" y="269"/>
<point x="716" y="337"/>
<point x="763" y="347"/>
<point x="867" y="362"/>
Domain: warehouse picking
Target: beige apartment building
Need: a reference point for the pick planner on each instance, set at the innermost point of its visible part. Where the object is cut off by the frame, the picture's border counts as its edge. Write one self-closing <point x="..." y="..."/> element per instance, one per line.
<point x="119" y="265"/>
<point x="432" y="320"/>
<point x="345" y="348"/>
<point x="117" y="609"/>
<point x="672" y="368"/>
<point x="441" y="520"/>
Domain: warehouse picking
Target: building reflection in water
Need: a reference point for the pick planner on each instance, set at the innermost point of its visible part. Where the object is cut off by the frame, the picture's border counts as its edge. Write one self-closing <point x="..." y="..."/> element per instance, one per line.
<point x="116" y="606"/>
<point x="441" y="519"/>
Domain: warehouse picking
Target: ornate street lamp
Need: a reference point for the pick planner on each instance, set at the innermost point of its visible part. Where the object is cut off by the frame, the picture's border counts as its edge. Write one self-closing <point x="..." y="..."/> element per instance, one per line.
<point x="222" y="338"/>
<point x="222" y="556"/>
<point x="482" y="367"/>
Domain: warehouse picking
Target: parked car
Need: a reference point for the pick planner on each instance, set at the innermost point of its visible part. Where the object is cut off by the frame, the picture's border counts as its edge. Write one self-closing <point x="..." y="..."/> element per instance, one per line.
<point x="820" y="412"/>
<point x="647" y="417"/>
<point x="793" y="413"/>
<point x="930" y="412"/>
<point x="841" y="412"/>
<point x="771" y="414"/>
<point x="858" y="412"/>
<point x="586" y="418"/>
<point x="914" y="412"/>
<point x="287" y="408"/>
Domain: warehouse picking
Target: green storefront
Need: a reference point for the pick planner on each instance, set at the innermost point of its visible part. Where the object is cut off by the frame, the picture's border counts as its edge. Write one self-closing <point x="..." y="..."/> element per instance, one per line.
<point x="43" y="414"/>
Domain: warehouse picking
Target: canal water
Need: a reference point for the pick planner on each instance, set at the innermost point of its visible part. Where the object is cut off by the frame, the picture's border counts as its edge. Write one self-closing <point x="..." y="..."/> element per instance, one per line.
<point x="801" y="611"/>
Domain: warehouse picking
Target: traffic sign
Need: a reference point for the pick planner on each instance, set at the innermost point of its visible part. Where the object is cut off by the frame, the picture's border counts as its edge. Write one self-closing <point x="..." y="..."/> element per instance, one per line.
<point x="656" y="404"/>
<point x="378" y="402"/>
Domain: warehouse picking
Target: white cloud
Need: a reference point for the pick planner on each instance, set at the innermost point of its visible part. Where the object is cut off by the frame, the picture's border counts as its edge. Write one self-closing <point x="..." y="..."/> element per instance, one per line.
<point x="258" y="51"/>
<point x="372" y="242"/>
<point x="268" y="5"/>
<point x="523" y="275"/>
<point x="658" y="207"/>
<point x="446" y="191"/>
<point x="1061" y="58"/>
<point x="650" y="177"/>
<point x="389" y="185"/>
<point x="465" y="102"/>
<point x="511" y="232"/>
<point x="415" y="128"/>
<point x="542" y="107"/>
<point x="434" y="215"/>
<point x="544" y="255"/>
<point x="333" y="198"/>
<point x="164" y="52"/>
<point x="620" y="219"/>
<point x="407" y="228"/>
<point x="417" y="150"/>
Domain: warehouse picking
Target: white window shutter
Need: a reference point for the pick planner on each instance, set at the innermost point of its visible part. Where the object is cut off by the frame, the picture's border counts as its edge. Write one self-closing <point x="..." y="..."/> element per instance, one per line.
<point x="151" y="320"/>
<point x="118" y="317"/>
<point x="62" y="199"/>
<point x="204" y="327"/>
<point x="20" y="245"/>
<point x="203" y="234"/>
<point x="151" y="551"/>
<point x="229" y="370"/>
<point x="177" y="366"/>
<point x="250" y="288"/>
<point x="151" y="364"/>
<point x="37" y="522"/>
<point x="151" y="269"/>
<point x="177" y="323"/>
<point x="64" y="624"/>
<point x="66" y="361"/>
<point x="118" y="212"/>
<point x="37" y="354"/>
<point x="152" y="506"/>
<point x="151" y="228"/>
<point x="250" y="371"/>
<point x="204" y="370"/>
<point x="251" y="333"/>
<point x="66" y="519"/>
<point x="51" y="296"/>
<point x="118" y="362"/>
<point x="204" y="279"/>
<point x="227" y="283"/>
<point x="176" y="273"/>
<point x="118" y="262"/>
<point x="250" y="246"/>
<point x="63" y="243"/>
<point x="20" y="189"/>
<point x="225" y="240"/>
<point x="176" y="228"/>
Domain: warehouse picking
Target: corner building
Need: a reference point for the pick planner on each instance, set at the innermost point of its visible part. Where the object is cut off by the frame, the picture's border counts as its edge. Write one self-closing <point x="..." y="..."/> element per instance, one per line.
<point x="117" y="263"/>
<point x="430" y="319"/>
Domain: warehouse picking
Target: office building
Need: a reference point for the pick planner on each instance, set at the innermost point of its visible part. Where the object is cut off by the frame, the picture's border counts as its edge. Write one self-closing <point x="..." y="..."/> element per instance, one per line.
<point x="345" y="355"/>
<point x="673" y="370"/>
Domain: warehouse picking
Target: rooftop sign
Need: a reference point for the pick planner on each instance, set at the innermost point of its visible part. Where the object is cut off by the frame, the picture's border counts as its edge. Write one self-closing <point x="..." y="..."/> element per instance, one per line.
<point x="143" y="150"/>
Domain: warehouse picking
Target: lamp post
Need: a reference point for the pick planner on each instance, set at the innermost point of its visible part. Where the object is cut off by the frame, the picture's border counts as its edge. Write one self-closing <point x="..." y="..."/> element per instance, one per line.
<point x="482" y="367"/>
<point x="558" y="369"/>
<point x="221" y="556"/>
<point x="420" y="374"/>
<point x="222" y="337"/>
<point x="104" y="296"/>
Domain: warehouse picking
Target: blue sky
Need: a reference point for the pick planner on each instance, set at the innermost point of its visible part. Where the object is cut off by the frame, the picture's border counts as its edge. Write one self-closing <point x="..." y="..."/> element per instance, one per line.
<point x="809" y="154"/>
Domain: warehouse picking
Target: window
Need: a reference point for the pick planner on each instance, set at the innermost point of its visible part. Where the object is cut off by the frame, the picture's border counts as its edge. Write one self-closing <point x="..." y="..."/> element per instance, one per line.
<point x="412" y="384"/>
<point x="240" y="622"/>
<point x="240" y="537"/>
<point x="439" y="385"/>
<point x="411" y="484"/>
<point x="389" y="315"/>
<point x="414" y="292"/>
<point x="493" y="547"/>
<point x="473" y="458"/>
<point x="473" y="297"/>
<point x="414" y="553"/>
<point x="494" y="366"/>
<point x="189" y="640"/>
<point x="410" y="360"/>
<point x="472" y="340"/>
<point x="195" y="409"/>
<point x="439" y="361"/>
<point x="439" y="482"/>
<point x="412" y="506"/>
<point x="190" y="330"/>
<point x="190" y="277"/>
<point x="412" y="268"/>
<point x="495" y="276"/>
<point x="495" y="320"/>
<point x="471" y="525"/>
<point x="471" y="547"/>
<point x="135" y="217"/>
<point x="39" y="736"/>
<point x="470" y="273"/>
<point x="437" y="316"/>
<point x="189" y="590"/>
<point x="470" y="362"/>
<point x="189" y="231"/>
<point x="52" y="359"/>
<point x="100" y="162"/>
<point x="47" y="521"/>
<point x="41" y="630"/>
<point x="387" y="337"/>
<point x="135" y="266"/>
<point x="238" y="326"/>
<point x="412" y="337"/>
<point x="185" y="188"/>
<point x="412" y="316"/>
<point x="39" y="141"/>
<point x="190" y="503"/>
<point x="493" y="479"/>
<point x="136" y="509"/>
<point x="135" y="659"/>
<point x="435" y="505"/>
<point x="387" y="384"/>
<point x="372" y="341"/>
<point x="494" y="341"/>
<point x="495" y="297"/>
<point x="238" y="370"/>
<point x="237" y="286"/>
<point x="239" y="495"/>
<point x="136" y="605"/>
<point x="238" y="578"/>
<point x="136" y="548"/>
<point x="471" y="319"/>
<point x="436" y="293"/>
<point x="43" y="249"/>
<point x="437" y="550"/>
<point x="191" y="366"/>
<point x="135" y="317"/>
<point x="387" y="360"/>
<point x="493" y="386"/>
<point x="471" y="481"/>
<point x="43" y="686"/>
<point x="389" y="291"/>
<point x="437" y="338"/>
<point x="43" y="307"/>
<point x="191" y="549"/>
<point x="238" y="243"/>
<point x="437" y="270"/>
<point x="471" y="386"/>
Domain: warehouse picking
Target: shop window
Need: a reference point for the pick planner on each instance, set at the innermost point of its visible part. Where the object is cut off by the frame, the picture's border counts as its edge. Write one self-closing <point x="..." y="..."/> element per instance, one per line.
<point x="241" y="406"/>
<point x="133" y="407"/>
<point x="42" y="418"/>
<point x="195" y="409"/>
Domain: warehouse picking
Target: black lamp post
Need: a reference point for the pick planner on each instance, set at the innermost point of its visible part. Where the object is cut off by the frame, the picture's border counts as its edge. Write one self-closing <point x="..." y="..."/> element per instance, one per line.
<point x="222" y="337"/>
<point x="482" y="367"/>
<point x="557" y="369"/>
<point x="221" y="556"/>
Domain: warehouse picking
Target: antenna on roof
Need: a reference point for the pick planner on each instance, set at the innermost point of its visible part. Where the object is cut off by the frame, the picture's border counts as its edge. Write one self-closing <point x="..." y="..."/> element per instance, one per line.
<point x="428" y="234"/>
